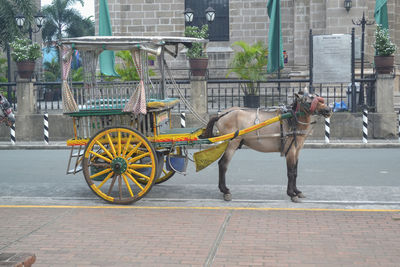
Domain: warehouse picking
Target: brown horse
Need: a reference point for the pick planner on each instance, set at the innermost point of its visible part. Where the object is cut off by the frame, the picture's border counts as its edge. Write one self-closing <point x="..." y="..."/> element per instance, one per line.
<point x="286" y="137"/>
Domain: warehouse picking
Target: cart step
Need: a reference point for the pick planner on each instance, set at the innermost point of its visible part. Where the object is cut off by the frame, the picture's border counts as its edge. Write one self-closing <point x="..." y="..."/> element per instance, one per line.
<point x="73" y="171"/>
<point x="75" y="159"/>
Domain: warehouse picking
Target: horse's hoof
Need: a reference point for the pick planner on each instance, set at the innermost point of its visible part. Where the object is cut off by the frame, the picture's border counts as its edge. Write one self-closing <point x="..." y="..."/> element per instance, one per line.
<point x="227" y="197"/>
<point x="301" y="195"/>
<point x="296" y="199"/>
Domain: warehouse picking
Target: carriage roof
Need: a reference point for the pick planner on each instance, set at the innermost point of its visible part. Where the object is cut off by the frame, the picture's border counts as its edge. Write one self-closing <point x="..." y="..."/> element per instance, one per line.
<point x="127" y="42"/>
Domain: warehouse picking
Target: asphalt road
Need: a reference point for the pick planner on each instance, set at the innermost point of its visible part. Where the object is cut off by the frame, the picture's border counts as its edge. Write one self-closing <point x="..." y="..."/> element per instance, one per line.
<point x="330" y="178"/>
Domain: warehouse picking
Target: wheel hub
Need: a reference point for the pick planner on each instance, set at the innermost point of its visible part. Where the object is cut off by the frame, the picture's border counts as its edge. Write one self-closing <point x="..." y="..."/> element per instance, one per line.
<point x="119" y="165"/>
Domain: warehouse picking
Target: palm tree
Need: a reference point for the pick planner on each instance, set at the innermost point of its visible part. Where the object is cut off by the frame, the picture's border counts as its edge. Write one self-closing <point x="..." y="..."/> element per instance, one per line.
<point x="64" y="21"/>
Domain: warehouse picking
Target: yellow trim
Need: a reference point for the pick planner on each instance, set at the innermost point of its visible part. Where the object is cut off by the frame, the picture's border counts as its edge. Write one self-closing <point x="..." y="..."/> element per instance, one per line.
<point x="101" y="194"/>
<point x="244" y="131"/>
<point x="105" y="180"/>
<point x="194" y="208"/>
<point x="127" y="185"/>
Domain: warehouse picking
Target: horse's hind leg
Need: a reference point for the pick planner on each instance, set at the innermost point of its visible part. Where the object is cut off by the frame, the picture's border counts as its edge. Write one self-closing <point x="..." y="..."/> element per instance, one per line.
<point x="223" y="167"/>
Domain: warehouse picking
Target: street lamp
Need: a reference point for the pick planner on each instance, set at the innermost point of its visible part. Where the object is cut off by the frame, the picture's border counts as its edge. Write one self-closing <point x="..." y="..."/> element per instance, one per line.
<point x="188" y="15"/>
<point x="210" y="14"/>
<point x="347" y="5"/>
<point x="39" y="20"/>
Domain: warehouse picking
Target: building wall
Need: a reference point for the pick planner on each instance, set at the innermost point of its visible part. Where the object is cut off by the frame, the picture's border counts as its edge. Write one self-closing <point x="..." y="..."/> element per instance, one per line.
<point x="249" y="21"/>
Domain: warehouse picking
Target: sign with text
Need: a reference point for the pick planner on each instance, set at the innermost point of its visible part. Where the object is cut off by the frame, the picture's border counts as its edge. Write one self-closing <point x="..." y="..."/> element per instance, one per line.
<point x="332" y="58"/>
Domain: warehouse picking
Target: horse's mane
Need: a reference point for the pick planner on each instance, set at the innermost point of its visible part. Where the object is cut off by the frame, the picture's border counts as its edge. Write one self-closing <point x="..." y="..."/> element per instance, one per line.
<point x="208" y="132"/>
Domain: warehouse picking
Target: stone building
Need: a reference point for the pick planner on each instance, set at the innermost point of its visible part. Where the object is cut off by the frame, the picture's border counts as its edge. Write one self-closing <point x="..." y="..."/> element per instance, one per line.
<point x="248" y="20"/>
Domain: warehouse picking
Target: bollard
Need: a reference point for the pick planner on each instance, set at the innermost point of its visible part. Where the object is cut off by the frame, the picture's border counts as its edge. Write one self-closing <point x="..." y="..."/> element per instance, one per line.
<point x="183" y="120"/>
<point x="327" y="129"/>
<point x="46" y="128"/>
<point x="12" y="134"/>
<point x="365" y="126"/>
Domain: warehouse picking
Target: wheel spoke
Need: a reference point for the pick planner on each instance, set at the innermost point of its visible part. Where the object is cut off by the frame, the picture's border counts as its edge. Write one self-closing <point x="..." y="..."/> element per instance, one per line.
<point x="100" y="173"/>
<point x="126" y="146"/>
<point x="139" y="166"/>
<point x="104" y="149"/>
<point x="120" y="186"/>
<point x="127" y="185"/>
<point x="111" y="145"/>
<point x="99" y="165"/>
<point x="119" y="144"/>
<point x="139" y="174"/>
<point x="112" y="184"/>
<point x="105" y="180"/>
<point x="100" y="156"/>
<point x="139" y="157"/>
<point x="133" y="150"/>
<point x="134" y="180"/>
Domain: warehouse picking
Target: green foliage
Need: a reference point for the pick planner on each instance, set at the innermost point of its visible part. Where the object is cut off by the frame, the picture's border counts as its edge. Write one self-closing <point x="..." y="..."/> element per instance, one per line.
<point x="64" y="21"/>
<point x="77" y="75"/>
<point x="24" y="50"/>
<point x="197" y="49"/>
<point x="383" y="45"/>
<point x="8" y="10"/>
<point x="3" y="76"/>
<point x="250" y="64"/>
<point x="127" y="69"/>
<point x="52" y="71"/>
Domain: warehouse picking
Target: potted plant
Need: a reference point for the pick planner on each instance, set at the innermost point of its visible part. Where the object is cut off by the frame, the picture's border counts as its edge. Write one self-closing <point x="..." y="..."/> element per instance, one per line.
<point x="196" y="54"/>
<point x="249" y="64"/>
<point x="384" y="51"/>
<point x="25" y="53"/>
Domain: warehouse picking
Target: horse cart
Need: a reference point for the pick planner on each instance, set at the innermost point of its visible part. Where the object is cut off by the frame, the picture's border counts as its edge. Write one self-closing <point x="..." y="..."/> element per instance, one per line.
<point x="123" y="139"/>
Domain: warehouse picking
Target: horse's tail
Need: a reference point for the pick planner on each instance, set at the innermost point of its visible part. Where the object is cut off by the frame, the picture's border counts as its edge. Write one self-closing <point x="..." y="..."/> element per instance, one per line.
<point x="208" y="132"/>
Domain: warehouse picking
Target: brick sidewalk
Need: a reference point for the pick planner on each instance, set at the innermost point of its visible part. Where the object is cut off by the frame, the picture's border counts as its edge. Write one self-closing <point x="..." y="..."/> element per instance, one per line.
<point x="129" y="236"/>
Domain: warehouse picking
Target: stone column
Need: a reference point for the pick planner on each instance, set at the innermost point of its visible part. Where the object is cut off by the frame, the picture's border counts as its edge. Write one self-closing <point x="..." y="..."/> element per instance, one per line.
<point x="199" y="95"/>
<point x="26" y="97"/>
<point x="385" y="119"/>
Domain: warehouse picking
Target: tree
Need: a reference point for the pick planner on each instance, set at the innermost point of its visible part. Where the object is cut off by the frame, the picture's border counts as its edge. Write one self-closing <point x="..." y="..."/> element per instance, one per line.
<point x="8" y="10"/>
<point x="64" y="21"/>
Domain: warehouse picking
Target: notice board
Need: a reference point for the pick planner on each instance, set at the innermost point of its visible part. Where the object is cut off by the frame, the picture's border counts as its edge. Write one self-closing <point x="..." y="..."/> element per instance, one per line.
<point x="332" y="58"/>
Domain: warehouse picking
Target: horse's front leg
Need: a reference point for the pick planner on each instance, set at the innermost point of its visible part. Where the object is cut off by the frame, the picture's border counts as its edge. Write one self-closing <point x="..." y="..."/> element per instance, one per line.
<point x="291" y="164"/>
<point x="299" y="194"/>
<point x="223" y="167"/>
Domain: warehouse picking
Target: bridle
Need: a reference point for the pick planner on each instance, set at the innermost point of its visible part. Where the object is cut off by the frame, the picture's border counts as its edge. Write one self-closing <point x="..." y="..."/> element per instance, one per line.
<point x="310" y="108"/>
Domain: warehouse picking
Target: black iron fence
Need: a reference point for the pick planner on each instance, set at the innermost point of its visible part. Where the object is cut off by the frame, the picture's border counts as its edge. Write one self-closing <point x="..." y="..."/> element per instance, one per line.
<point x="226" y="93"/>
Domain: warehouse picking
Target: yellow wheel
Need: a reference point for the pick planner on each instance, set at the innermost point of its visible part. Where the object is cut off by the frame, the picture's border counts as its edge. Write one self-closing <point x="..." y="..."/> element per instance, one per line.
<point x="114" y="161"/>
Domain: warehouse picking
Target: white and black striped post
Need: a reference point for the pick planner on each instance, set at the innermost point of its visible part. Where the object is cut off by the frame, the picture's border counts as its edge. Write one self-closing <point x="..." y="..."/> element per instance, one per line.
<point x="327" y="129"/>
<point x="12" y="134"/>
<point x="46" y="128"/>
<point x="399" y="125"/>
<point x="183" y="120"/>
<point x="365" y="126"/>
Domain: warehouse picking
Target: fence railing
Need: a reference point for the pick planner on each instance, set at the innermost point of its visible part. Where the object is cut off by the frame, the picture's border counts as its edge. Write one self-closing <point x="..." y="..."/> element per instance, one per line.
<point x="226" y="93"/>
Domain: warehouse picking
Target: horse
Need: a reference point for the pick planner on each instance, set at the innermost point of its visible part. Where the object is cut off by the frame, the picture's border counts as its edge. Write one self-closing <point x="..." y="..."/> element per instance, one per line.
<point x="6" y="112"/>
<point x="286" y="137"/>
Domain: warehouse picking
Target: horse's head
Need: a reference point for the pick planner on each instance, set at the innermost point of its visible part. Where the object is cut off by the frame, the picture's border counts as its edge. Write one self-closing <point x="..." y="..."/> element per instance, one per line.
<point x="6" y="111"/>
<point x="311" y="104"/>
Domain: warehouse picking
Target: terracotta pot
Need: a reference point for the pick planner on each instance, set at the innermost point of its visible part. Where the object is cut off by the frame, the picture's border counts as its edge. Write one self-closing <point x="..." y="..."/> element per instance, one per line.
<point x="384" y="64"/>
<point x="198" y="66"/>
<point x="25" y="69"/>
<point x="251" y="101"/>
